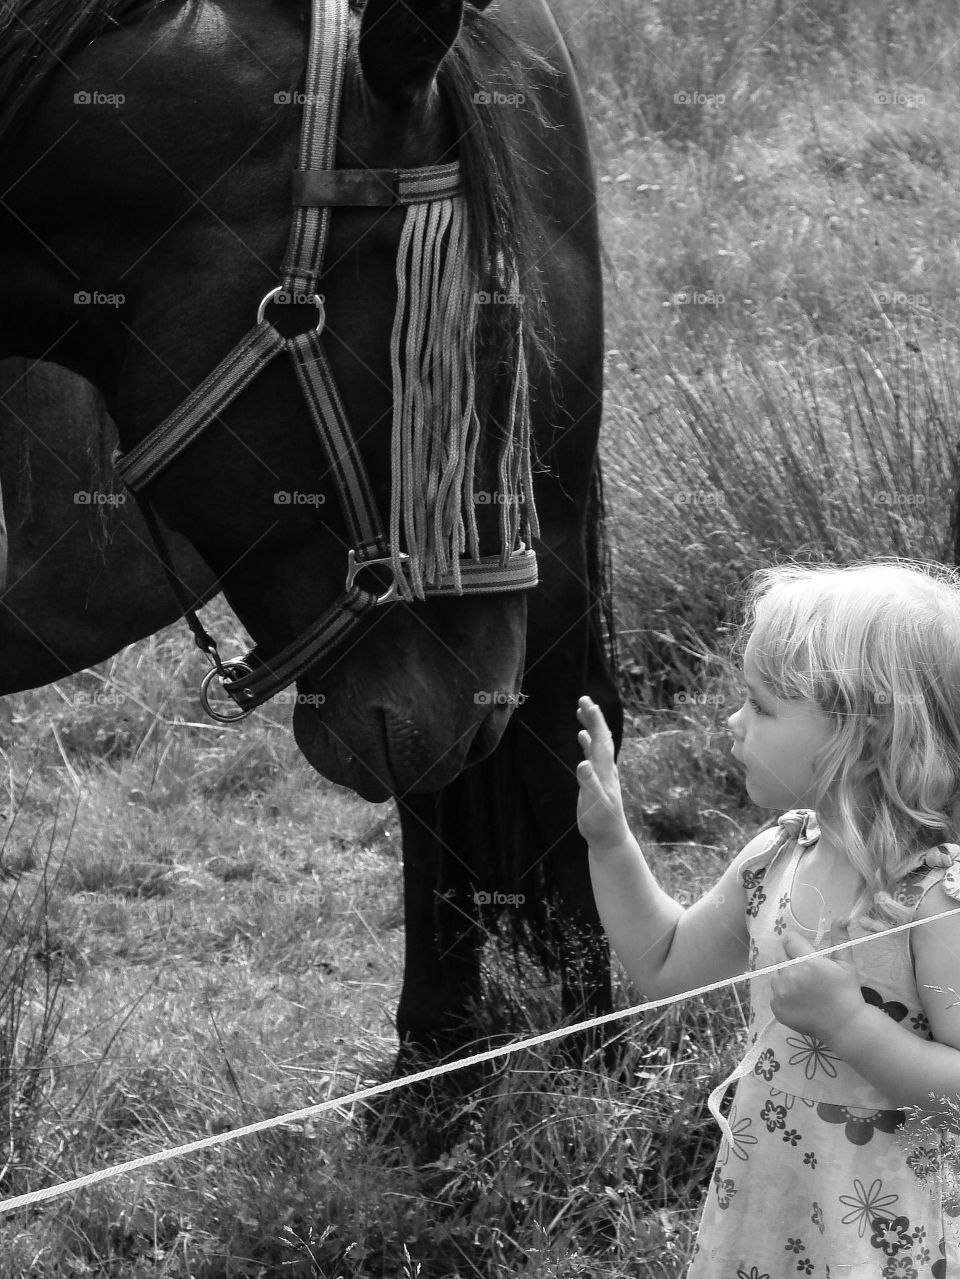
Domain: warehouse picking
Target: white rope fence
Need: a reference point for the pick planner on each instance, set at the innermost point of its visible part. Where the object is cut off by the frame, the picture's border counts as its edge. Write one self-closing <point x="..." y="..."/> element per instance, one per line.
<point x="433" y="1072"/>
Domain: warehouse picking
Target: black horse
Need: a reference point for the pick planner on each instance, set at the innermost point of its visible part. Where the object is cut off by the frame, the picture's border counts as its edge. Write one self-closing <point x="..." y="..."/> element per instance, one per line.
<point x="145" y="158"/>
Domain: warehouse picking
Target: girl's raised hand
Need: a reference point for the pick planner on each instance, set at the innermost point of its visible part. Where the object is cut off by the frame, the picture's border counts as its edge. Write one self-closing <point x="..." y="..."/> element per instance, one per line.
<point x="820" y="997"/>
<point x="599" y="804"/>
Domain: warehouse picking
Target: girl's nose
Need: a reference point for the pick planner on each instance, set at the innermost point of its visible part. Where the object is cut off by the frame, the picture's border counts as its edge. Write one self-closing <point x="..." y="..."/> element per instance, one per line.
<point x="734" y="722"/>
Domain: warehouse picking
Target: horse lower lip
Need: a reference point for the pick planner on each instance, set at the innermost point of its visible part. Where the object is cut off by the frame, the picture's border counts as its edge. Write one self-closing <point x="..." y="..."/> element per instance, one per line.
<point x="336" y="761"/>
<point x="412" y="769"/>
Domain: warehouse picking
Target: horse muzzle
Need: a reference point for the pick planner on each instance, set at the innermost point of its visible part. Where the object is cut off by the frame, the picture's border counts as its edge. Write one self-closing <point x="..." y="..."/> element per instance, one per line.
<point x="381" y="753"/>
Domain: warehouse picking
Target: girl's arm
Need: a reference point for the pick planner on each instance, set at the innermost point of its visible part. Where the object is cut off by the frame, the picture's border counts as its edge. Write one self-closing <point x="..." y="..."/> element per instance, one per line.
<point x="822" y="997"/>
<point x="663" y="947"/>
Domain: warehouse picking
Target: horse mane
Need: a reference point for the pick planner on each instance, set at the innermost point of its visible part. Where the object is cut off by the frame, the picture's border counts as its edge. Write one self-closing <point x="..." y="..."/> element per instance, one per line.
<point x="506" y="242"/>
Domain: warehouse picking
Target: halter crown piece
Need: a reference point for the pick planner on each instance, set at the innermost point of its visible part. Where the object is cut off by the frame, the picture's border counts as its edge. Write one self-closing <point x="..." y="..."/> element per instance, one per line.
<point x="436" y="429"/>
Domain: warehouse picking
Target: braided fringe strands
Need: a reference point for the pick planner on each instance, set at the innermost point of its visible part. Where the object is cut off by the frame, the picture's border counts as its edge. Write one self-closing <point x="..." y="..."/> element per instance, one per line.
<point x="436" y="430"/>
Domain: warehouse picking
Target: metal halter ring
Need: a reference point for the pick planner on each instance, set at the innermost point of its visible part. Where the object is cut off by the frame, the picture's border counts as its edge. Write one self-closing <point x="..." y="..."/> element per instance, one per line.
<point x="280" y="292"/>
<point x="355" y="564"/>
<point x="228" y="669"/>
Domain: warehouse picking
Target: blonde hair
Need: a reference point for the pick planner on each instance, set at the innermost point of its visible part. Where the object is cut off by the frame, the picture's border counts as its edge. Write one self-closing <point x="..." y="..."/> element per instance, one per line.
<point x="876" y="646"/>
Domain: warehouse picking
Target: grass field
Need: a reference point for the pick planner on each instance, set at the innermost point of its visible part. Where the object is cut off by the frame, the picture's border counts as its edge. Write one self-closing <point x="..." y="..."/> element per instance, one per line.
<point x="214" y="933"/>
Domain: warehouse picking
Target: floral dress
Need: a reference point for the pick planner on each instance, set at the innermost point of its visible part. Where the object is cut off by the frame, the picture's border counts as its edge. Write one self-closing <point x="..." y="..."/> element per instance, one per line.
<point x="822" y="1178"/>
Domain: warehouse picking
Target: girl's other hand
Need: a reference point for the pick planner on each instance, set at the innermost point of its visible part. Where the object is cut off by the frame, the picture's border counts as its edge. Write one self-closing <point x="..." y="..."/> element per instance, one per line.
<point x="820" y="997"/>
<point x="600" y="804"/>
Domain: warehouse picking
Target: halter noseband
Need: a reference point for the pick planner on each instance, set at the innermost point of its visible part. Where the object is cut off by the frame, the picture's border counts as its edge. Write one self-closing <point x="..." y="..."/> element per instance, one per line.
<point x="317" y="187"/>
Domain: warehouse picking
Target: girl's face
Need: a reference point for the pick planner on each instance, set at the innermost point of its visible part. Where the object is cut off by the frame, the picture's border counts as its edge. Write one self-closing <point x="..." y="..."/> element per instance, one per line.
<point x="776" y="742"/>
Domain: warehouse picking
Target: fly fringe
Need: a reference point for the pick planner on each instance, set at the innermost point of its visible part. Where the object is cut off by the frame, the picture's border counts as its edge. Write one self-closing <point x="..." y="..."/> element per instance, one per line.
<point x="436" y="428"/>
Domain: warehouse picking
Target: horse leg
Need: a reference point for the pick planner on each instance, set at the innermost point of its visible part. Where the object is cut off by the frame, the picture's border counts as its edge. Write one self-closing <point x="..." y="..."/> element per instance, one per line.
<point x="440" y="995"/>
<point x="441" y="979"/>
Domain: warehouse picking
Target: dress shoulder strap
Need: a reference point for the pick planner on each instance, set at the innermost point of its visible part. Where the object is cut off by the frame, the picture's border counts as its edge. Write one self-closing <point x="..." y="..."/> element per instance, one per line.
<point x="798" y="825"/>
<point x="943" y="867"/>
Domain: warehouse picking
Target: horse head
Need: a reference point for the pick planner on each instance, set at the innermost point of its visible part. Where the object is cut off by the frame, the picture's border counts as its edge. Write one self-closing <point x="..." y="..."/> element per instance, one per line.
<point x="145" y="215"/>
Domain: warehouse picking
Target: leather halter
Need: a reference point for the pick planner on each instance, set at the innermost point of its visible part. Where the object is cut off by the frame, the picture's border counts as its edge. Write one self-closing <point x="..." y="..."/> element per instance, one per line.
<point x="317" y="187"/>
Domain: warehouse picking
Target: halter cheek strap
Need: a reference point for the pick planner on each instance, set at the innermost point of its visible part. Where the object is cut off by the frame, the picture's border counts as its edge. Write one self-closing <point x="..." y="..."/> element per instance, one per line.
<point x="433" y="494"/>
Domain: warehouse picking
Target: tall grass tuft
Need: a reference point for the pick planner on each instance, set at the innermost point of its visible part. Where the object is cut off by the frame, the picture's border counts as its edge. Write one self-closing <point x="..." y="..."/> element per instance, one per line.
<point x="31" y="1001"/>
<point x="719" y="466"/>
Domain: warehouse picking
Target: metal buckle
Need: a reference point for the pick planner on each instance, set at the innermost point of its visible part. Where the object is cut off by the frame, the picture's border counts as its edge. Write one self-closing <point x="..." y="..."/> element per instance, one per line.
<point x="355" y="564"/>
<point x="274" y="296"/>
<point x="227" y="670"/>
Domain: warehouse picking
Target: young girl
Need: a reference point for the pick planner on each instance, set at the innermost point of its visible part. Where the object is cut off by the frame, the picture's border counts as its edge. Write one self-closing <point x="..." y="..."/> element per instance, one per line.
<point x="851" y="721"/>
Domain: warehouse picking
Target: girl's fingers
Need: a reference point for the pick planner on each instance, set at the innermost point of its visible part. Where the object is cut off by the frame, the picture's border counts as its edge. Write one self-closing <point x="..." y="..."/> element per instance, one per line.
<point x="839" y="933"/>
<point x="587" y="776"/>
<point x="589" y="713"/>
<point x="590" y="781"/>
<point x="595" y="726"/>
